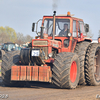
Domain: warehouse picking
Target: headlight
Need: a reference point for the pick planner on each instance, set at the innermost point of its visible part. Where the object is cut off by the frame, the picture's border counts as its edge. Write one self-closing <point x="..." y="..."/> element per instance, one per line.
<point x="50" y="54"/>
<point x="38" y="33"/>
<point x="69" y="34"/>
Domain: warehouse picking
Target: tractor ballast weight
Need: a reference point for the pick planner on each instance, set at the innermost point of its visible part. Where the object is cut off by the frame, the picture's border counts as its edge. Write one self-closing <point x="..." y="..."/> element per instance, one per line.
<point x="56" y="55"/>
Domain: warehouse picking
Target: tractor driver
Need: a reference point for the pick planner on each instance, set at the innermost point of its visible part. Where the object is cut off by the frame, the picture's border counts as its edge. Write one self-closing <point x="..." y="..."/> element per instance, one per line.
<point x="64" y="32"/>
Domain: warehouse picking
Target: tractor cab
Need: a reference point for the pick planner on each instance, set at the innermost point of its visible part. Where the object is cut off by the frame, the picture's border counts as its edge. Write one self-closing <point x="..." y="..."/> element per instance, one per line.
<point x="64" y="28"/>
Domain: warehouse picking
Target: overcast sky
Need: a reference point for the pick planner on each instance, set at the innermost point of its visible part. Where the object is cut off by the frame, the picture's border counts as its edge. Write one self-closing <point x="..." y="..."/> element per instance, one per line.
<point x="20" y="14"/>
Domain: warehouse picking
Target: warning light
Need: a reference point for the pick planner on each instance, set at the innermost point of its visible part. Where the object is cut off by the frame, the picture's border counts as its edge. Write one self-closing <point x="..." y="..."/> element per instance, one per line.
<point x="68" y="13"/>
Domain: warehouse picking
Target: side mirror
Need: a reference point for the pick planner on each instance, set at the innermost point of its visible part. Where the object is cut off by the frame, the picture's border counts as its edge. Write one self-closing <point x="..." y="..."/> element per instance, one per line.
<point x="86" y="27"/>
<point x="33" y="27"/>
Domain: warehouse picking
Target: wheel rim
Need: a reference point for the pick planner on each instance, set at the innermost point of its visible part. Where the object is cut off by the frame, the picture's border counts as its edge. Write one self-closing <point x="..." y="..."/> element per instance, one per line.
<point x="97" y="66"/>
<point x="73" y="72"/>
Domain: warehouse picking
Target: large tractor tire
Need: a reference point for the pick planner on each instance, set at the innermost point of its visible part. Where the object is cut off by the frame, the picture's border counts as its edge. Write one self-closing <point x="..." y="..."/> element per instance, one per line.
<point x="2" y="52"/>
<point x="92" y="65"/>
<point x="65" y="71"/>
<point x="81" y="51"/>
<point x="9" y="59"/>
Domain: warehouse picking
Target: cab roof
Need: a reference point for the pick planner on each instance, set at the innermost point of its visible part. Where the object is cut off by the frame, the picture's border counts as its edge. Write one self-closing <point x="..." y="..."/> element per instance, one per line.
<point x="63" y="16"/>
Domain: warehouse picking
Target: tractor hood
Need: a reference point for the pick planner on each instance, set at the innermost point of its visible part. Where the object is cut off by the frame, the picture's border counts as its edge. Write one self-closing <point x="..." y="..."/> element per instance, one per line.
<point x="45" y="43"/>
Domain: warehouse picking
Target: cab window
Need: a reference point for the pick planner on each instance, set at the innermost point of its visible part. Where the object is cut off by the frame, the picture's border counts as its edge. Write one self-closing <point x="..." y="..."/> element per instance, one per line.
<point x="74" y="29"/>
<point x="81" y="28"/>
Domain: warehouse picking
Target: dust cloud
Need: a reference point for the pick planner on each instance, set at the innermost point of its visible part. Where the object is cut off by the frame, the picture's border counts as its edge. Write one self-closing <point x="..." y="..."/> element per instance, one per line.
<point x="55" y="5"/>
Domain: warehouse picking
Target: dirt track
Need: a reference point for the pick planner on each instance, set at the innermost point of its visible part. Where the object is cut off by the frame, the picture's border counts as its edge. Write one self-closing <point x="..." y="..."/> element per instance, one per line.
<point x="45" y="91"/>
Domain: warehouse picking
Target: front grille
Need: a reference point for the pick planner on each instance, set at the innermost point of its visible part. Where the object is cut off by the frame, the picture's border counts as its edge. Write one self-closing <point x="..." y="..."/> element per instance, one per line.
<point x="40" y="43"/>
<point x="45" y="50"/>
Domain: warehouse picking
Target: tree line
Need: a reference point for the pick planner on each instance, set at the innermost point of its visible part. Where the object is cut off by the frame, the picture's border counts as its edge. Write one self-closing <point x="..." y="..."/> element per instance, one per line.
<point x="8" y="34"/>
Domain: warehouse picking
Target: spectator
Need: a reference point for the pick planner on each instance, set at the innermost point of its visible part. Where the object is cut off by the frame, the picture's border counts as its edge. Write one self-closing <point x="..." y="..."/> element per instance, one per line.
<point x="98" y="39"/>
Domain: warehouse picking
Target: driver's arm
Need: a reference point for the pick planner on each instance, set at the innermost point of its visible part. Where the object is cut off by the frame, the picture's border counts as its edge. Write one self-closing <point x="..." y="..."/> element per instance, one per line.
<point x="61" y="33"/>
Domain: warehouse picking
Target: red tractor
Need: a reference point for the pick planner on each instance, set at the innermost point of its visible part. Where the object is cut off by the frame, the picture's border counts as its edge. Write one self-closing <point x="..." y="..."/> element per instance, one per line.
<point x="61" y="54"/>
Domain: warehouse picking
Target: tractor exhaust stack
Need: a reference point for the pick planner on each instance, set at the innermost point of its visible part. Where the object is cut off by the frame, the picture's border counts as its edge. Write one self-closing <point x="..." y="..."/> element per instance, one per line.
<point x="54" y="25"/>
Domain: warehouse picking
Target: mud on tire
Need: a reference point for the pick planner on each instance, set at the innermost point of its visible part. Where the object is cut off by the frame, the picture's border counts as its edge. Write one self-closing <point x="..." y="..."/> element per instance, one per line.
<point x="92" y="65"/>
<point x="61" y="70"/>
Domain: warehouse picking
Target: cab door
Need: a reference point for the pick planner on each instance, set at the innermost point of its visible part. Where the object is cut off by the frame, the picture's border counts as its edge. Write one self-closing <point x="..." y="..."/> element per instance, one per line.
<point x="74" y="35"/>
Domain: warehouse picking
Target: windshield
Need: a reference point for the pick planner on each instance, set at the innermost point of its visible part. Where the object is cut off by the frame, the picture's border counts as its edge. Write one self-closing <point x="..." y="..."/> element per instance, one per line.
<point x="62" y="27"/>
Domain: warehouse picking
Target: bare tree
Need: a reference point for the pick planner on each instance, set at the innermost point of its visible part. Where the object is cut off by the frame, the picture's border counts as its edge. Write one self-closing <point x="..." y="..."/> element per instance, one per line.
<point x="99" y="34"/>
<point x="21" y="39"/>
<point x="28" y="38"/>
<point x="90" y="34"/>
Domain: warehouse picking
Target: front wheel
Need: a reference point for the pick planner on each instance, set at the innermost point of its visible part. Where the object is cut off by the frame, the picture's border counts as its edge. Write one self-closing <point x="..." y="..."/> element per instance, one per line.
<point x="66" y="70"/>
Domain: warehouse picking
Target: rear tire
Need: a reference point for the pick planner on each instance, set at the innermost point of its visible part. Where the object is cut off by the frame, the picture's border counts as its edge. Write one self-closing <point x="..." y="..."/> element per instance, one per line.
<point x="80" y="49"/>
<point x="9" y="59"/>
<point x="92" y="71"/>
<point x="65" y="71"/>
<point x="2" y="52"/>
